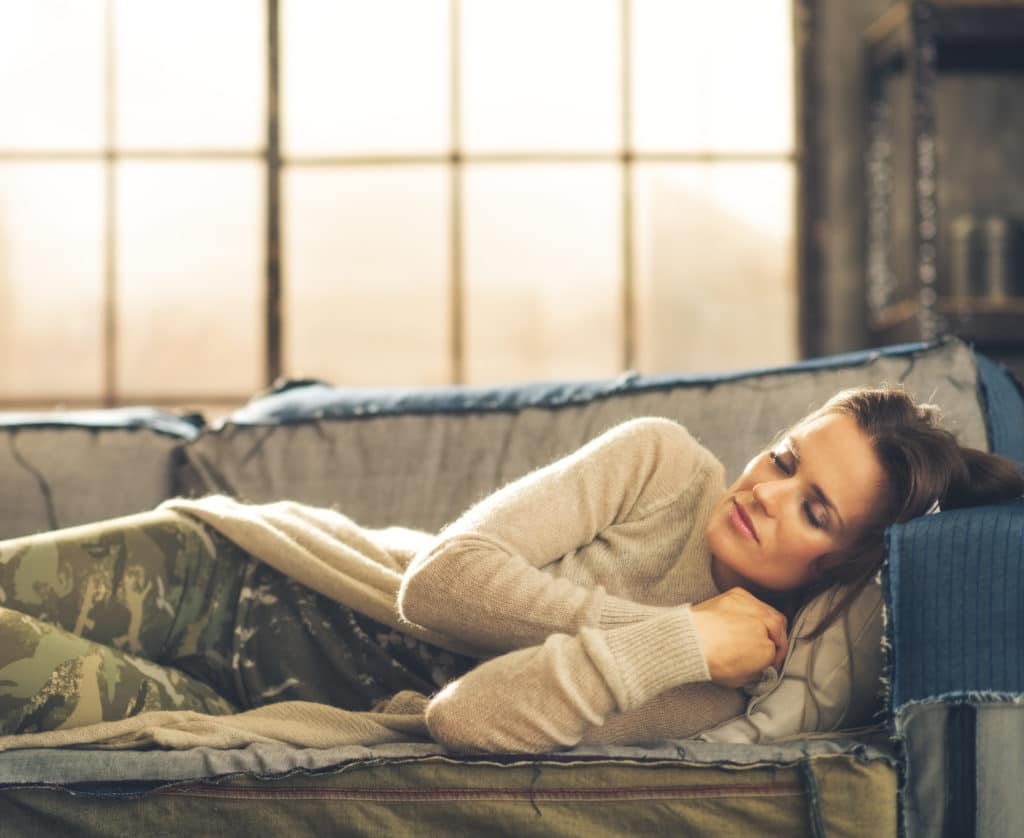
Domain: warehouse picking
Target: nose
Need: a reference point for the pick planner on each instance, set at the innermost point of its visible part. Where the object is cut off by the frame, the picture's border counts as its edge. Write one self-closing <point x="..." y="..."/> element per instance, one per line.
<point x="768" y="494"/>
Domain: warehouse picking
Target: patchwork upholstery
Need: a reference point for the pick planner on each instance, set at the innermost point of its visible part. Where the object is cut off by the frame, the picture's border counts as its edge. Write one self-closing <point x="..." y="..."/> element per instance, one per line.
<point x="954" y="591"/>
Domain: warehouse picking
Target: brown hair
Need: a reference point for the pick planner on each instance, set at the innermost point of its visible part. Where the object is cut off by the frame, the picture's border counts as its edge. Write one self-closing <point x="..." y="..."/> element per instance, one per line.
<point x="923" y="464"/>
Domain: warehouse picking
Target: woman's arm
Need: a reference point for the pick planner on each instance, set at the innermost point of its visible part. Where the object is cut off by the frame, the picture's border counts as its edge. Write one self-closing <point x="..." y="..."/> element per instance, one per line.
<point x="481" y="582"/>
<point x="629" y="684"/>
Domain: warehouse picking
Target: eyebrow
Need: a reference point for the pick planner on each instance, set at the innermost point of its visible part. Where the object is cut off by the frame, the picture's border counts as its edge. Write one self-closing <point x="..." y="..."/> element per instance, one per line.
<point x="819" y="493"/>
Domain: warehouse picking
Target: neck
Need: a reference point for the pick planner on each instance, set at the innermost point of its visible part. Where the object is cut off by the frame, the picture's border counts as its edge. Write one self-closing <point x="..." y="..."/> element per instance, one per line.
<point x="725" y="578"/>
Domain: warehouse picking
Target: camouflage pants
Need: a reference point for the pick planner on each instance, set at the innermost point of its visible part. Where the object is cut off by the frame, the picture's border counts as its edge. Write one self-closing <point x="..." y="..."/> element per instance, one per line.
<point x="158" y="611"/>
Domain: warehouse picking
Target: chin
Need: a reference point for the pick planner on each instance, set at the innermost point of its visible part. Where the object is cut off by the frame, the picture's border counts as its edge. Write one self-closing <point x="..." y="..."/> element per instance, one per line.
<point x="722" y="543"/>
<point x="715" y="536"/>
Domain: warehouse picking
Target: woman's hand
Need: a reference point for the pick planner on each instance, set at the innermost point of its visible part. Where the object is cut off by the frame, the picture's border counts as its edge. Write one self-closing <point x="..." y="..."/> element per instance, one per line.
<point x="740" y="635"/>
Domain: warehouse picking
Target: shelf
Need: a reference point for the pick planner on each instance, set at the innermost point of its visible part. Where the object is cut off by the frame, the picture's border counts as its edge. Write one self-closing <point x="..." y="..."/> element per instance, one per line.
<point x="968" y="36"/>
<point x="985" y="322"/>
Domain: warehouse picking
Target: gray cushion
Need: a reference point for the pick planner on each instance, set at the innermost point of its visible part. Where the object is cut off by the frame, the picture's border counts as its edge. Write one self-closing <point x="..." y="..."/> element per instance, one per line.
<point x="66" y="468"/>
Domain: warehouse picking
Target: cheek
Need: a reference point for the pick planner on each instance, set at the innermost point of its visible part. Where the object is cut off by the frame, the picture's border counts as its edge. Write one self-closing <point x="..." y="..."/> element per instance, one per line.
<point x="801" y="545"/>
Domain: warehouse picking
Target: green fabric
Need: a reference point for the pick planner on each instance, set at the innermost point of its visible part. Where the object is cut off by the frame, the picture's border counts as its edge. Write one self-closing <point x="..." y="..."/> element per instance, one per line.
<point x="439" y="796"/>
<point x="108" y="620"/>
<point x="156" y="611"/>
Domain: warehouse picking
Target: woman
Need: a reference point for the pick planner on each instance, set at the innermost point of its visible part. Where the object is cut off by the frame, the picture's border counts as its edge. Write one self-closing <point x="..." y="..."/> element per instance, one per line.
<point x="620" y="594"/>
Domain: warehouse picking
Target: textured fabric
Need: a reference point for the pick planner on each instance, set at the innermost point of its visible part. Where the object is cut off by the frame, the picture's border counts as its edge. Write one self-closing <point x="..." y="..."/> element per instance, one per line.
<point x="51" y="678"/>
<point x="297" y="645"/>
<point x="845" y="795"/>
<point x="69" y="468"/>
<point x="829" y="683"/>
<point x="152" y="768"/>
<point x="956" y="622"/>
<point x="1004" y="405"/>
<point x="1000" y="769"/>
<point x="157" y="611"/>
<point x="954" y="597"/>
<point x="964" y="767"/>
<point x="90" y="611"/>
<point x="302" y="724"/>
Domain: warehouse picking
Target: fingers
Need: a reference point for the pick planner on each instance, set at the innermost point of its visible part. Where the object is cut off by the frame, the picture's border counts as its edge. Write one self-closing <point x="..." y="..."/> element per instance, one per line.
<point x="776" y="627"/>
<point x="740" y="635"/>
<point x="774" y="621"/>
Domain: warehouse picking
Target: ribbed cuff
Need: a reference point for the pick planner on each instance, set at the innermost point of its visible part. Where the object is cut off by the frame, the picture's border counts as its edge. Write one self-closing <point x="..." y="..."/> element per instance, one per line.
<point x="642" y="660"/>
<point x="616" y="612"/>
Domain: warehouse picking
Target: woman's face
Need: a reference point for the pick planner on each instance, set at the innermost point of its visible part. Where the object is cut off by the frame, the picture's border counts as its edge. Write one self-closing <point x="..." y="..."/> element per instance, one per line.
<point x="810" y="495"/>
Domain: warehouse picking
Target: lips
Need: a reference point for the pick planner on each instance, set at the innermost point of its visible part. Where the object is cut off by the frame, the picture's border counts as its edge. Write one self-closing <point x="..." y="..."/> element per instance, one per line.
<point x="741" y="520"/>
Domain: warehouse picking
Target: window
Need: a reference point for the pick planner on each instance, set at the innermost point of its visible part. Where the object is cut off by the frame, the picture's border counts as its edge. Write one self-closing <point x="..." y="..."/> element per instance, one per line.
<point x="198" y="197"/>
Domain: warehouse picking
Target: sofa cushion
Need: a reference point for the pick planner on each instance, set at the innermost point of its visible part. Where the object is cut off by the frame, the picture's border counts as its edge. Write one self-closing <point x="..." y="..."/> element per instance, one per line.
<point x="65" y="468"/>
<point x="830" y="683"/>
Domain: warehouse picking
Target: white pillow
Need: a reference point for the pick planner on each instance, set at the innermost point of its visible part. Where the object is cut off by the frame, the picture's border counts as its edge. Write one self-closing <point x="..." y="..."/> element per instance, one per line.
<point x="830" y="683"/>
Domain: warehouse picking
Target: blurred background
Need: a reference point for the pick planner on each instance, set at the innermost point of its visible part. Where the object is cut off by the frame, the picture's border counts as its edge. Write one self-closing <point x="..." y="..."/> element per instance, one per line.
<point x="199" y="198"/>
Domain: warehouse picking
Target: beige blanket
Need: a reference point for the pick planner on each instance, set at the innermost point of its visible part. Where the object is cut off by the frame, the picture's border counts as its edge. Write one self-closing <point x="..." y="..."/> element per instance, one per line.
<point x="327" y="552"/>
<point x="302" y="724"/>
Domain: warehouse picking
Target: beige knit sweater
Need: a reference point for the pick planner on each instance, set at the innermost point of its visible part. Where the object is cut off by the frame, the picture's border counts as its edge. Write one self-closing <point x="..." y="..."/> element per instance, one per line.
<point x="581" y="574"/>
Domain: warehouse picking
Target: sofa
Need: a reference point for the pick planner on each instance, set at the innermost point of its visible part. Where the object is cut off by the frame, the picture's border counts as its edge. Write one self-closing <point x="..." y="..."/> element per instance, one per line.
<point x="941" y="755"/>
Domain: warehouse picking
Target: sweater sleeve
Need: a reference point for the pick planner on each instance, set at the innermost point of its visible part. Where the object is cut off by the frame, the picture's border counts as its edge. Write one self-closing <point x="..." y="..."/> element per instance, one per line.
<point x="553" y="695"/>
<point x="481" y="581"/>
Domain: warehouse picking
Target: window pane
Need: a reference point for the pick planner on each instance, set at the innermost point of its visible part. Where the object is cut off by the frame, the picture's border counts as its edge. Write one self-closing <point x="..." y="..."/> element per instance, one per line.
<point x="367" y="266"/>
<point x="191" y="73"/>
<point x="361" y="77"/>
<point x="713" y="75"/>
<point x="542" y="271"/>
<point x="714" y="266"/>
<point x="190" y="285"/>
<point x="51" y="74"/>
<point x="51" y="279"/>
<point x="541" y="75"/>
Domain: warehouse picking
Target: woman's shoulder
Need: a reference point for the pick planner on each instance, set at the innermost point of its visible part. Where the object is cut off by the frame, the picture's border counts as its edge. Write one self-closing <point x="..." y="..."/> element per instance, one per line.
<point x="659" y="430"/>
<point x="666" y="446"/>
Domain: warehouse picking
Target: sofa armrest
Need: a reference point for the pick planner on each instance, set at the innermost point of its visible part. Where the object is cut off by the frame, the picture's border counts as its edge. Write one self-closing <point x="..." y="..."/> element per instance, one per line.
<point x="953" y="586"/>
<point x="62" y="468"/>
<point x="954" y="593"/>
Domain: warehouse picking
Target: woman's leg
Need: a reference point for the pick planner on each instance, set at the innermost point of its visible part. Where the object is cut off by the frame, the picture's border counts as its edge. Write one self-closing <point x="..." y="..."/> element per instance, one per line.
<point x="296" y="645"/>
<point x="51" y="678"/>
<point x="157" y="585"/>
<point x="173" y="590"/>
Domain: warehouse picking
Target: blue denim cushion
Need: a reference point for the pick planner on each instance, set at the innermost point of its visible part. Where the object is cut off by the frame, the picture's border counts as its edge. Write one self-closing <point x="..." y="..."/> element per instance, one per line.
<point x="954" y="590"/>
<point x="1004" y="407"/>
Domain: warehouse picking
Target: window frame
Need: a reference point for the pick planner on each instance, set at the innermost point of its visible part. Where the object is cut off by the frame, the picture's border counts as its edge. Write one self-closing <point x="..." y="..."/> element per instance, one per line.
<point x="456" y="159"/>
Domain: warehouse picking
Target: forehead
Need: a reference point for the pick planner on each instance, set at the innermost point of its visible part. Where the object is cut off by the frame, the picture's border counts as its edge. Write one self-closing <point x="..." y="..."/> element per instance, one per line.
<point x="836" y="455"/>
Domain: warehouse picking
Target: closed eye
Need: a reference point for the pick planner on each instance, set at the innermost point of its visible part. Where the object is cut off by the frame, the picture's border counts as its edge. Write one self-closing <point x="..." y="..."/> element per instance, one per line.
<point x="814" y="522"/>
<point x="787" y="466"/>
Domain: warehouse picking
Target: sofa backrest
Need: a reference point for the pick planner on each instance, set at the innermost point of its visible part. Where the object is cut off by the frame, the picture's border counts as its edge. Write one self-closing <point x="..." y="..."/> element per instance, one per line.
<point x="73" y="467"/>
<point x="419" y="457"/>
